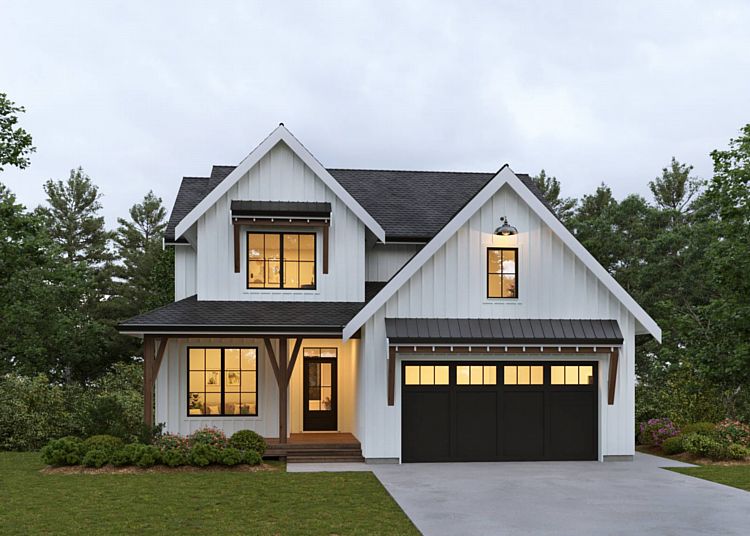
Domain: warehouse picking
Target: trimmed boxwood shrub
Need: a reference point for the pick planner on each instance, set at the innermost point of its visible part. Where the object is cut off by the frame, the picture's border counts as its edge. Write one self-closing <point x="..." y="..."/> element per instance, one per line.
<point x="706" y="446"/>
<point x="97" y="457"/>
<point x="706" y="428"/>
<point x="63" y="451"/>
<point x="147" y="455"/>
<point x="103" y="442"/>
<point x="248" y="440"/>
<point x="209" y="436"/>
<point x="174" y="457"/>
<point x="673" y="445"/>
<point x="202" y="455"/>
<point x="735" y="451"/>
<point x="252" y="458"/>
<point x="231" y="456"/>
<point x="126" y="455"/>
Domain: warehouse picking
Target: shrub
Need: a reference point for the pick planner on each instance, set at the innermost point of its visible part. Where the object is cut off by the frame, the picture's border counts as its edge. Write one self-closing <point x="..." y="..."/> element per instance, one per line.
<point x="252" y="458"/>
<point x="64" y="451"/>
<point x="248" y="440"/>
<point x="174" y="457"/>
<point x="706" y="428"/>
<point x="209" y="436"/>
<point x="126" y="455"/>
<point x="735" y="451"/>
<point x="654" y="431"/>
<point x="203" y="454"/>
<point x="167" y="442"/>
<point x="705" y="446"/>
<point x="231" y="456"/>
<point x="97" y="457"/>
<point x="104" y="442"/>
<point x="734" y="432"/>
<point x="673" y="445"/>
<point x="146" y="456"/>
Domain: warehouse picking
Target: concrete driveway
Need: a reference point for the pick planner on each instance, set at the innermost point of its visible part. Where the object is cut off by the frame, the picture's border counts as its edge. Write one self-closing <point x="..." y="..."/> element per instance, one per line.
<point x="564" y="498"/>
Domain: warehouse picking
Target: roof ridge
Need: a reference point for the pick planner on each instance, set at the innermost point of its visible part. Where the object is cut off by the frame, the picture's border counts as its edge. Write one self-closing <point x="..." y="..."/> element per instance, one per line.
<point x="414" y="171"/>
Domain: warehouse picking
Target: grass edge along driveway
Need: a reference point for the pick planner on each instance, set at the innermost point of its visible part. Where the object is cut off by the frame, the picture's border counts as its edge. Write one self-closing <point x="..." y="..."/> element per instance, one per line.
<point x="736" y="476"/>
<point x="272" y="503"/>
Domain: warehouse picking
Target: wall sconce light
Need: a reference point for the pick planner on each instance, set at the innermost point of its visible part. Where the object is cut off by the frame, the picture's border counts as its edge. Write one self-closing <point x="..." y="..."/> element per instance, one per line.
<point x="506" y="229"/>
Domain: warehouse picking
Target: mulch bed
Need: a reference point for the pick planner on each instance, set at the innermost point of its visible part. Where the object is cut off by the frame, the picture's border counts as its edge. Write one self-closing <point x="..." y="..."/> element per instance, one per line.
<point x="133" y="470"/>
<point x="689" y="458"/>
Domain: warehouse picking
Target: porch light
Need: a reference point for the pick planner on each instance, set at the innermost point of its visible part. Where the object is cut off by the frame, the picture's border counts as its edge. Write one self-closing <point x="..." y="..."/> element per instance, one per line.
<point x="506" y="229"/>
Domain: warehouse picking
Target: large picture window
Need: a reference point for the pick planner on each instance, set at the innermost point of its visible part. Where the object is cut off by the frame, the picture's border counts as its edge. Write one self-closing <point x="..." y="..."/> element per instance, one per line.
<point x="502" y="273"/>
<point x="281" y="260"/>
<point x="222" y="381"/>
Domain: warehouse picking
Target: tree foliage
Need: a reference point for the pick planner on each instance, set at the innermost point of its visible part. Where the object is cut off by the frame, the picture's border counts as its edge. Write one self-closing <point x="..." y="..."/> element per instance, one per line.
<point x="15" y="143"/>
<point x="550" y="188"/>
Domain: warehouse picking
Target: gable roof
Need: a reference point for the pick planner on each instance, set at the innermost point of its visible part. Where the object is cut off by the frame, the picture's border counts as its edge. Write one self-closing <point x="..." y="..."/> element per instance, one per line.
<point x="503" y="177"/>
<point x="280" y="134"/>
<point x="396" y="199"/>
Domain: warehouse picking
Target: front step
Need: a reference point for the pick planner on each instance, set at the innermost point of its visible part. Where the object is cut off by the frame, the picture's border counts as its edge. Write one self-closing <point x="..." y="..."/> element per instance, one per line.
<point x="324" y="459"/>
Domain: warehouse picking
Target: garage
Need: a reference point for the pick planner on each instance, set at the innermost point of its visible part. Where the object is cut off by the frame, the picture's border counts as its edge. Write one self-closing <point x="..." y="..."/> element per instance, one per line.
<point x="499" y="410"/>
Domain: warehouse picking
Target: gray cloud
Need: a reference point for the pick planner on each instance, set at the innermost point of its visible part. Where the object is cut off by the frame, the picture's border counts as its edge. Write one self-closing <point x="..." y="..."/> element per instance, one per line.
<point x="142" y="93"/>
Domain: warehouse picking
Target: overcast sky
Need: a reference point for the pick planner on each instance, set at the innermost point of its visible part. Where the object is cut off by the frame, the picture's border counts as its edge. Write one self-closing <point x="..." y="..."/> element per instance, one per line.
<point x="143" y="93"/>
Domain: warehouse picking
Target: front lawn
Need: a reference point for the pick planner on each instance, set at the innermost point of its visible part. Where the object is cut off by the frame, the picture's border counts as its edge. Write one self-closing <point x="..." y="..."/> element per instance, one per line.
<point x="273" y="503"/>
<point x="737" y="476"/>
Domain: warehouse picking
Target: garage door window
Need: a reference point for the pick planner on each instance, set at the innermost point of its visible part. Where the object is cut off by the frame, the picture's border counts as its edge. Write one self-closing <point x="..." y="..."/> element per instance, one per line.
<point x="572" y="375"/>
<point x="523" y="375"/>
<point x="426" y="375"/>
<point x="476" y="375"/>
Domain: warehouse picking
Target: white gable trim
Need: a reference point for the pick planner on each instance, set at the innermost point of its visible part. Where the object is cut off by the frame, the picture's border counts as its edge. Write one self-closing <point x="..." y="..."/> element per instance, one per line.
<point x="504" y="176"/>
<point x="278" y="135"/>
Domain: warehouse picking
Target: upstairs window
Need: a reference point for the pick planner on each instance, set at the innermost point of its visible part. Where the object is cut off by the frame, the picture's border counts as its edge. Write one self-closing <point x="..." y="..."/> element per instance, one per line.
<point x="281" y="260"/>
<point x="502" y="273"/>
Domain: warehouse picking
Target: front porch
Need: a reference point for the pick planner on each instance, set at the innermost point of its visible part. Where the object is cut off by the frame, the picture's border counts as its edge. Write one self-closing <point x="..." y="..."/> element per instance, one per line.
<point x="316" y="447"/>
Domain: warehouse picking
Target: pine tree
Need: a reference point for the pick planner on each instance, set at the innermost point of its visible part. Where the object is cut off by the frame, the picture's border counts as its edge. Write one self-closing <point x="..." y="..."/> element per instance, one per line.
<point x="550" y="188"/>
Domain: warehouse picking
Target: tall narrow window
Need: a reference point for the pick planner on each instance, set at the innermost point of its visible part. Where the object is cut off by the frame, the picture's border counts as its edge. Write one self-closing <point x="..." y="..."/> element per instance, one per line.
<point x="502" y="273"/>
<point x="281" y="260"/>
<point x="222" y="381"/>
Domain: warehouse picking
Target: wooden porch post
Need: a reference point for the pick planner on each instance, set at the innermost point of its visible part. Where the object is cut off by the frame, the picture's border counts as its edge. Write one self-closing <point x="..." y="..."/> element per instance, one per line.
<point x="148" y="380"/>
<point x="283" y="388"/>
<point x="612" y="379"/>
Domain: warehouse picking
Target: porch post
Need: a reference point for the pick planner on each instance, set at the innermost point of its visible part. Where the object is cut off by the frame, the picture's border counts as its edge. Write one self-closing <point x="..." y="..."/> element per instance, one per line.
<point x="614" y="358"/>
<point x="283" y="387"/>
<point x="148" y="380"/>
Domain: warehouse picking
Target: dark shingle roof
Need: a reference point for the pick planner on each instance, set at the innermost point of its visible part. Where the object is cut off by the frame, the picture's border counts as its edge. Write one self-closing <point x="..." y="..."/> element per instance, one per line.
<point x="502" y="331"/>
<point x="409" y="205"/>
<point x="193" y="315"/>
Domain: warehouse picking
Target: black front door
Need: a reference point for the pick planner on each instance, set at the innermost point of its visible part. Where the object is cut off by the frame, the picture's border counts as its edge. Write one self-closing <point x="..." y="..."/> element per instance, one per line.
<point x="320" y="397"/>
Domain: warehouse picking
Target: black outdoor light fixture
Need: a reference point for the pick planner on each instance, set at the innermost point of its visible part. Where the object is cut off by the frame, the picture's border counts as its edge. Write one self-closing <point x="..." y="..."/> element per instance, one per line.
<point x="506" y="229"/>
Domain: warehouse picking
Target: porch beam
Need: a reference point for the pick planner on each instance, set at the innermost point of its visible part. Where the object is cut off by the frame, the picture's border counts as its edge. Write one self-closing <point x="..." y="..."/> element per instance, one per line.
<point x="272" y="359"/>
<point x="614" y="359"/>
<point x="295" y="353"/>
<point x="480" y="349"/>
<point x="391" y="375"/>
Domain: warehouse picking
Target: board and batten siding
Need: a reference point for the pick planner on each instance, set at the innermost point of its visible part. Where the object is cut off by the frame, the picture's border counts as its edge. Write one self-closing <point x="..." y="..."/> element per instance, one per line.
<point x="553" y="283"/>
<point x="280" y="176"/>
<point x="184" y="271"/>
<point x="384" y="260"/>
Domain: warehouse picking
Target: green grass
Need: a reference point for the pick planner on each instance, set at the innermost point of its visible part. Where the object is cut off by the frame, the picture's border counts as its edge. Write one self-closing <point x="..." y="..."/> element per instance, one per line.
<point x="737" y="476"/>
<point x="273" y="503"/>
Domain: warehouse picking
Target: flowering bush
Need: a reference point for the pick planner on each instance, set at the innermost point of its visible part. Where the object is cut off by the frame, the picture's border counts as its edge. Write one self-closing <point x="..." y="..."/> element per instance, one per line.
<point x="209" y="436"/>
<point x="654" y="431"/>
<point x="167" y="442"/>
<point x="734" y="432"/>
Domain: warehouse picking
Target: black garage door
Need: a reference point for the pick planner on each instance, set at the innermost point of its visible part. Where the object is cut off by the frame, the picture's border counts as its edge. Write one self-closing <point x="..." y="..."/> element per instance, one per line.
<point x="488" y="411"/>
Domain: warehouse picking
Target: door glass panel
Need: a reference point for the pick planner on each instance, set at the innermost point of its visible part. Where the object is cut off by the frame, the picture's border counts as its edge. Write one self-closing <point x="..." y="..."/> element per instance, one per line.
<point x="427" y="375"/>
<point x="312" y="352"/>
<point x="328" y="352"/>
<point x="441" y="375"/>
<point x="557" y="375"/>
<point x="326" y="374"/>
<point x="462" y="375"/>
<point x="326" y="402"/>
<point x="537" y="375"/>
<point x="509" y="375"/>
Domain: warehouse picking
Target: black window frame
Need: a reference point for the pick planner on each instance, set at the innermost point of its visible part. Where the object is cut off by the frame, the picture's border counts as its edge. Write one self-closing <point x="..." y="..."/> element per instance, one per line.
<point x="501" y="273"/>
<point x="223" y="372"/>
<point x="281" y="260"/>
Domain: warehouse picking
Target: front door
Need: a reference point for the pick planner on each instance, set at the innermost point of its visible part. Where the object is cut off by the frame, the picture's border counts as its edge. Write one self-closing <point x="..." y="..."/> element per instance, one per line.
<point x="320" y="397"/>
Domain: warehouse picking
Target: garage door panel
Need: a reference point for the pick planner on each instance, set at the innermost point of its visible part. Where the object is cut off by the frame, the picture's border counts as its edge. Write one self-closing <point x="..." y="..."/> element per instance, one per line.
<point x="522" y="432"/>
<point x="426" y="426"/>
<point x="572" y="426"/>
<point x="476" y="425"/>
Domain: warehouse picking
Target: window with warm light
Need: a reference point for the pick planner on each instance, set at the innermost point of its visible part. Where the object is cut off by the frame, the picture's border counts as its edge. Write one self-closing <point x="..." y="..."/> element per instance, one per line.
<point x="281" y="260"/>
<point x="222" y="381"/>
<point x="476" y="374"/>
<point x="523" y="375"/>
<point x="426" y="375"/>
<point x="572" y="374"/>
<point x="502" y="273"/>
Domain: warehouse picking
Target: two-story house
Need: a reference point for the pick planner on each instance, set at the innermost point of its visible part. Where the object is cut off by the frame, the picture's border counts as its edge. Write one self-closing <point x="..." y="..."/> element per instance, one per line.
<point x="421" y="316"/>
